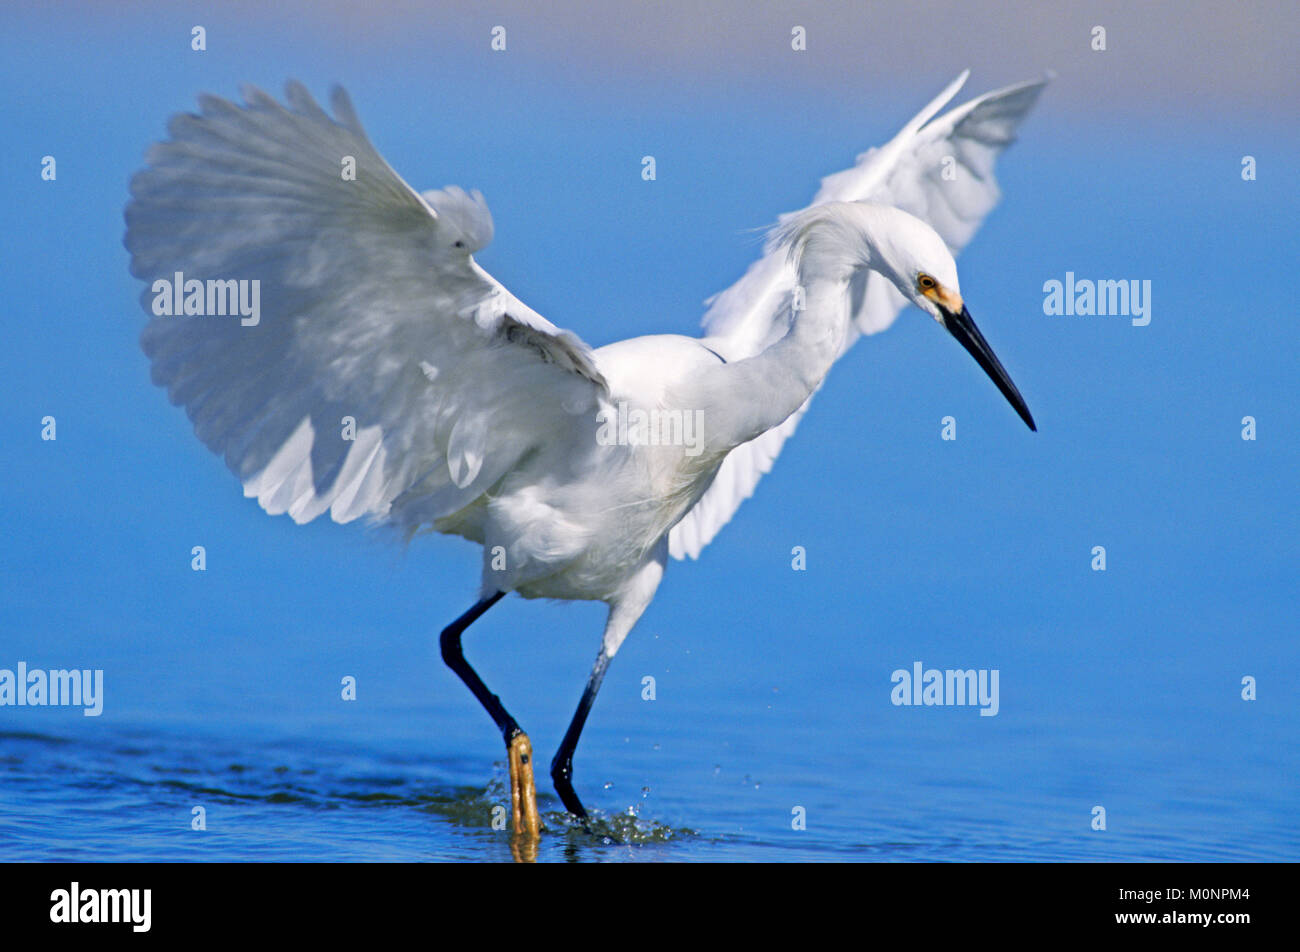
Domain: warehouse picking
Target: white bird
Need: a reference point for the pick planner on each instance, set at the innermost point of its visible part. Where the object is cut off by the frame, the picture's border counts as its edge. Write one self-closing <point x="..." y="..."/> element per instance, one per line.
<point x="578" y="471"/>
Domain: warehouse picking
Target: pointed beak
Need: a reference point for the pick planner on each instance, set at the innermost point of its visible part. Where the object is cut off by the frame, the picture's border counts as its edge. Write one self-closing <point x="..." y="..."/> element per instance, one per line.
<point x="962" y="327"/>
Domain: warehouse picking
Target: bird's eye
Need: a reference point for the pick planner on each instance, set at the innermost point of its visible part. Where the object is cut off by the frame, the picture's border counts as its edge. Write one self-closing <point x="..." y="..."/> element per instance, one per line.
<point x="926" y="282"/>
<point x="459" y="244"/>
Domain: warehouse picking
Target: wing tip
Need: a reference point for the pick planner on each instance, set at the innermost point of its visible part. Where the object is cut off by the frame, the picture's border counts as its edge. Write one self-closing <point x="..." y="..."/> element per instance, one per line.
<point x="344" y="112"/>
<point x="933" y="107"/>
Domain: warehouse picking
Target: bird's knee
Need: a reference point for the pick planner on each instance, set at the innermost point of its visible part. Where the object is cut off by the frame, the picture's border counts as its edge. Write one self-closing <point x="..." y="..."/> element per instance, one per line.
<point x="449" y="644"/>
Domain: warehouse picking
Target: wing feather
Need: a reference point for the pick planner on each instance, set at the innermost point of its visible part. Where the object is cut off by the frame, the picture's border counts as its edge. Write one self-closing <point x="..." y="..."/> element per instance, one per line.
<point x="387" y="375"/>
<point x="911" y="172"/>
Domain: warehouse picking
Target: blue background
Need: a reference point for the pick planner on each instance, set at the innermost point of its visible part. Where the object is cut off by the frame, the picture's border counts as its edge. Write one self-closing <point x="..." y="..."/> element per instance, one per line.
<point x="1119" y="688"/>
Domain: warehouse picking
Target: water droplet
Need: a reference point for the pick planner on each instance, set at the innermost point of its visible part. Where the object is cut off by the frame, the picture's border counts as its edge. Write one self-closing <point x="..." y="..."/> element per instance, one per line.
<point x="645" y="792"/>
<point x="609" y="784"/>
<point x="655" y="747"/>
<point x="717" y="769"/>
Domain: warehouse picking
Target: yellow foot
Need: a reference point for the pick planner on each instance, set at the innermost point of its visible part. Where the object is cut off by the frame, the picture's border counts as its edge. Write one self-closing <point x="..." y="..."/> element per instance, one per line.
<point x="523" y="792"/>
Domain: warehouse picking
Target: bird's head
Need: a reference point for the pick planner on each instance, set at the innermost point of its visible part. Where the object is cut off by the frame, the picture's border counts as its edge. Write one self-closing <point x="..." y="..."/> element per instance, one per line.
<point x="836" y="239"/>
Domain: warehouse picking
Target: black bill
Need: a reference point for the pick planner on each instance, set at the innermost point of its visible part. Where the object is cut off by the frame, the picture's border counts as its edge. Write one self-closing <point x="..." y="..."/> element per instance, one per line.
<point x="962" y="327"/>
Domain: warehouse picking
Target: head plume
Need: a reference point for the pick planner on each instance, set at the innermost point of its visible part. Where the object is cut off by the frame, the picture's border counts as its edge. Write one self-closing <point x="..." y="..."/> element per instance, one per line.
<point x="836" y="239"/>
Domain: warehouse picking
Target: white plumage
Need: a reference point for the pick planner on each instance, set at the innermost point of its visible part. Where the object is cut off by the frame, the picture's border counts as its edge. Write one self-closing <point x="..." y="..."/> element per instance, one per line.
<point x="472" y="414"/>
<point x="908" y="173"/>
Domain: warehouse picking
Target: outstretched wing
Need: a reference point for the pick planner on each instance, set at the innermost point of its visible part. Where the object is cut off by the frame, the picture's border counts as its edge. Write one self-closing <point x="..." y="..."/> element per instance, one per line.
<point x="938" y="169"/>
<point x="382" y="372"/>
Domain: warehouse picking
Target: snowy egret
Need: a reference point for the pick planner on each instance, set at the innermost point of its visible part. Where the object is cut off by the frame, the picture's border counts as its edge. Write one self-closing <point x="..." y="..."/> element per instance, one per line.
<point x="330" y="335"/>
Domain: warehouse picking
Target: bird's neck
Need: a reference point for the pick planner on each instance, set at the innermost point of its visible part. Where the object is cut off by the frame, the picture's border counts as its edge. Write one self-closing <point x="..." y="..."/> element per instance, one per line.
<point x="745" y="399"/>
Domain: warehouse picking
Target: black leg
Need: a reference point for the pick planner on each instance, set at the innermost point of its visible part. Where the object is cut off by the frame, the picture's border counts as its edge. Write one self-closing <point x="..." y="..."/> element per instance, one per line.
<point x="455" y="658"/>
<point x="519" y="749"/>
<point x="562" y="765"/>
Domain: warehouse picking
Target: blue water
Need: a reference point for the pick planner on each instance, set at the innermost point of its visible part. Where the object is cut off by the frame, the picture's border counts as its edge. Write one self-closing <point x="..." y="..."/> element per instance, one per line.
<point x="1118" y="689"/>
<point x="710" y="770"/>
